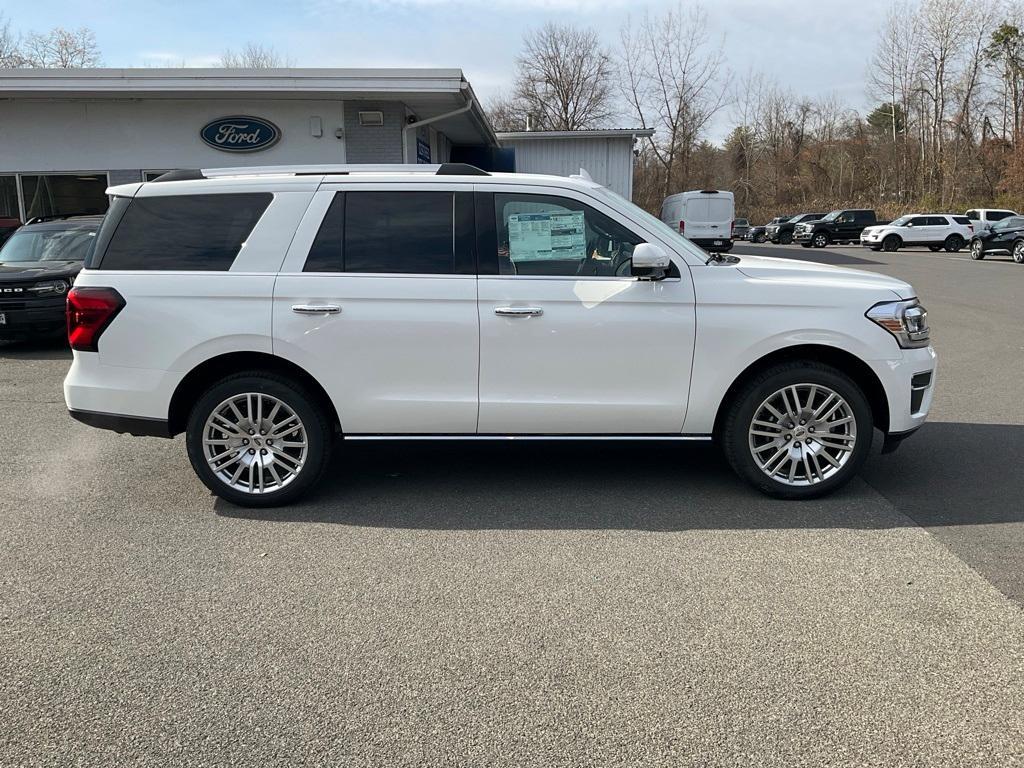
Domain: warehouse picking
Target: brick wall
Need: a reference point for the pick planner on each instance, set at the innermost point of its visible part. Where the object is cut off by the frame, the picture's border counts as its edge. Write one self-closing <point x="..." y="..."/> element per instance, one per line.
<point x="374" y="144"/>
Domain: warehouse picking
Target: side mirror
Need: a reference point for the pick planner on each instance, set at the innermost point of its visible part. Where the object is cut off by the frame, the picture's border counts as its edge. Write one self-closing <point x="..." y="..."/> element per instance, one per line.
<point x="650" y="262"/>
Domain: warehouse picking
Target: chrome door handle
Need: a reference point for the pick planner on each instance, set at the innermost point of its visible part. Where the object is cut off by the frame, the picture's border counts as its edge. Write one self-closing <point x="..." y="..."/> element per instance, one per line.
<point x="518" y="311"/>
<point x="316" y="309"/>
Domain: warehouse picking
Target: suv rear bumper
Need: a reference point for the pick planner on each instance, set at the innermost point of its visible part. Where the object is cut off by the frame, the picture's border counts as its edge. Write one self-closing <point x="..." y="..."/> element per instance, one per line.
<point x="708" y="243"/>
<point x="132" y="425"/>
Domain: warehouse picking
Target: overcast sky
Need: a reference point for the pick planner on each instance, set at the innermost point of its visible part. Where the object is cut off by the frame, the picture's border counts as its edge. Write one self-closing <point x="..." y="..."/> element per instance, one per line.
<point x="817" y="48"/>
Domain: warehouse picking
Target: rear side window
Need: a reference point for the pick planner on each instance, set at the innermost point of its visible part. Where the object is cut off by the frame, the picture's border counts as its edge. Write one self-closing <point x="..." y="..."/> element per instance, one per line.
<point x="962" y="220"/>
<point x="184" y="232"/>
<point x="972" y="215"/>
<point x="395" y="232"/>
<point x="998" y="215"/>
<point x="937" y="221"/>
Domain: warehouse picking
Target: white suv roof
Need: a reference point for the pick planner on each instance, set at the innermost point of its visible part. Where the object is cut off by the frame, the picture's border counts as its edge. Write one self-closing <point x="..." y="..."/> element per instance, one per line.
<point x="305" y="176"/>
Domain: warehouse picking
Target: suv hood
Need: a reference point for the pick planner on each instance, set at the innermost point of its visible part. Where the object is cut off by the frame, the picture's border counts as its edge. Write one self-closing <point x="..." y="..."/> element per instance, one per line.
<point x="38" y="270"/>
<point x="793" y="271"/>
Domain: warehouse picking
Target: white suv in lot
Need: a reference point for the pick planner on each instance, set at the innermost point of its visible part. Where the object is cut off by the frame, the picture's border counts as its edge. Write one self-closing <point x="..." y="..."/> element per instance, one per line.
<point x="937" y="231"/>
<point x="267" y="313"/>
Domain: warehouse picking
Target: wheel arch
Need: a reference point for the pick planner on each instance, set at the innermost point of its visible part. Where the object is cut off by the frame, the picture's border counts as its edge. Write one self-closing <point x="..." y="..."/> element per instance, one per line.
<point x="200" y="378"/>
<point x="840" y="359"/>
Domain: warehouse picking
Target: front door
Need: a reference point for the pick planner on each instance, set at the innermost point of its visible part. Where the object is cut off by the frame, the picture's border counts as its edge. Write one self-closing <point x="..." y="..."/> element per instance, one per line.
<point x="380" y="307"/>
<point x="570" y="342"/>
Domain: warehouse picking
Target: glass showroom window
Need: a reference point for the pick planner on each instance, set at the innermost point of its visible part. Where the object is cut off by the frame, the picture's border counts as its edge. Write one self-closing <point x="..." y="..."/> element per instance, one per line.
<point x="64" y="194"/>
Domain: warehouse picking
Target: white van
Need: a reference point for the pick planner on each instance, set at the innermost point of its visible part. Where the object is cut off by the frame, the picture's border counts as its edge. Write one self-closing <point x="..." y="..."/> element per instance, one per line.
<point x="705" y="217"/>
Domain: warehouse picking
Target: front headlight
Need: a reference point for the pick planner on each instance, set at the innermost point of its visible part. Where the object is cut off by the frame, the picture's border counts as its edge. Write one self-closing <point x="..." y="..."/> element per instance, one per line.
<point x="59" y="287"/>
<point x="906" y="320"/>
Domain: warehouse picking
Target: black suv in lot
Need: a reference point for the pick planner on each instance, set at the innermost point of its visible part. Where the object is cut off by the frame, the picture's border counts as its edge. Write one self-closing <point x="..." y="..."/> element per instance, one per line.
<point x="38" y="264"/>
<point x="842" y="226"/>
<point x="782" y="234"/>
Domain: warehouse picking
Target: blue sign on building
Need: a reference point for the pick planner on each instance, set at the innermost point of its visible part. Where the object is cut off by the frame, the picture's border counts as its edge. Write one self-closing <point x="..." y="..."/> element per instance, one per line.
<point x="240" y="133"/>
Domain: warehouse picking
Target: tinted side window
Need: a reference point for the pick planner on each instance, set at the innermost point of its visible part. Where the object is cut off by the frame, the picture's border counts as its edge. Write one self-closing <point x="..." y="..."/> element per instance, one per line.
<point x="918" y="221"/>
<point x="399" y="232"/>
<point x="962" y="219"/>
<point x="184" y="232"/>
<point x="558" y="236"/>
<point x="998" y="215"/>
<point x="937" y="221"/>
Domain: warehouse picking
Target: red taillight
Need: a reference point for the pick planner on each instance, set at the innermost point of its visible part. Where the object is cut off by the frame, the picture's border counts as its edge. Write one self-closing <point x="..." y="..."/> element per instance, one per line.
<point x="682" y="227"/>
<point x="90" y="311"/>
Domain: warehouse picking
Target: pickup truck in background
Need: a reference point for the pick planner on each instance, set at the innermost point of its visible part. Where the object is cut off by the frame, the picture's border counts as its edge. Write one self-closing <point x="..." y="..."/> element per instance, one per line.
<point x="983" y="218"/>
<point x="841" y="226"/>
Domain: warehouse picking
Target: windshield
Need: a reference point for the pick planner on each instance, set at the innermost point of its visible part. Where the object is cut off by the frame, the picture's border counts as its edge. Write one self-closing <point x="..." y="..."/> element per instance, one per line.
<point x="653" y="222"/>
<point x="902" y="220"/>
<point x="832" y="216"/>
<point x="28" y="245"/>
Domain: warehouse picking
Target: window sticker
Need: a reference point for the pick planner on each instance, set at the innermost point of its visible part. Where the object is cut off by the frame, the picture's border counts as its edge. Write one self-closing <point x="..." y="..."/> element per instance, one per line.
<point x="547" y="236"/>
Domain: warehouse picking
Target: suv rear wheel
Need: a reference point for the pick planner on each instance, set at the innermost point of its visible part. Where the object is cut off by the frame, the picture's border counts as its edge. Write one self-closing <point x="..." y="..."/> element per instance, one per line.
<point x="798" y="430"/>
<point x="953" y="243"/>
<point x="258" y="439"/>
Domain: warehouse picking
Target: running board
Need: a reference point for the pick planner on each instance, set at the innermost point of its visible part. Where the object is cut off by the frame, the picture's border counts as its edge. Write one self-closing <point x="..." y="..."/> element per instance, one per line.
<point x="689" y="438"/>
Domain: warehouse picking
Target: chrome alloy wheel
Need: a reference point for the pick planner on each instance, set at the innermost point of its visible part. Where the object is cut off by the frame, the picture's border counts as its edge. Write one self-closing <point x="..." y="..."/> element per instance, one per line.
<point x="802" y="434"/>
<point x="1018" y="251"/>
<point x="255" y="443"/>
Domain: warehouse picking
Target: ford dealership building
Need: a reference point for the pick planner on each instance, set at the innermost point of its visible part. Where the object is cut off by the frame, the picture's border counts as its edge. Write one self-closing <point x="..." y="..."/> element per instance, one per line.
<point x="66" y="135"/>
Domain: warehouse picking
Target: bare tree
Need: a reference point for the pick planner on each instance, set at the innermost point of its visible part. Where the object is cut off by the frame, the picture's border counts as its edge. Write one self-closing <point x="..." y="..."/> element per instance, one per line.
<point x="505" y="113"/>
<point x="564" y="79"/>
<point x="61" y="48"/>
<point x="254" y="56"/>
<point x="675" y="82"/>
<point x="10" y="46"/>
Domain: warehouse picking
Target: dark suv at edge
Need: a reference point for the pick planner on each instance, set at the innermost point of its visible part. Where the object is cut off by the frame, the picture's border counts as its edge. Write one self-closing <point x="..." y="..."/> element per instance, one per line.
<point x="38" y="264"/>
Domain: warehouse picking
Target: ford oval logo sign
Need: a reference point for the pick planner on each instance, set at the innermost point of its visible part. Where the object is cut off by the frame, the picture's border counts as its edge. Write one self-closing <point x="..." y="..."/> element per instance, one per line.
<point x="240" y="134"/>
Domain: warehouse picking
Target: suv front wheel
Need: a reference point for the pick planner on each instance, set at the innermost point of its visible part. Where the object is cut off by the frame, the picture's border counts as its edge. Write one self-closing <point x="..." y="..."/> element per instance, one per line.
<point x="258" y="439"/>
<point x="798" y="430"/>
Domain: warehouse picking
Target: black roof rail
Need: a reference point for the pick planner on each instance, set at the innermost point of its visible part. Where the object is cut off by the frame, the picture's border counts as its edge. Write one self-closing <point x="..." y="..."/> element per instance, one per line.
<point x="460" y="169"/>
<point x="187" y="174"/>
<point x="57" y="217"/>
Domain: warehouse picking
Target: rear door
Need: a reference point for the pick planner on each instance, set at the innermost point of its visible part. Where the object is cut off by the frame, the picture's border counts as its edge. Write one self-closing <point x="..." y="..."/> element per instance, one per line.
<point x="377" y="301"/>
<point x="696" y="214"/>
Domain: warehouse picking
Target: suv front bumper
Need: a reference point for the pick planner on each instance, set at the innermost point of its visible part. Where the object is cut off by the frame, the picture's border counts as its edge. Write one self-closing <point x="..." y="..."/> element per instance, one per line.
<point x="32" y="318"/>
<point x="909" y="385"/>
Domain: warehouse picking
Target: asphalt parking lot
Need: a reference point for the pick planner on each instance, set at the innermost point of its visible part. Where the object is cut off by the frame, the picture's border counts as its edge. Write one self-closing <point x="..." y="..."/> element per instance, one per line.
<point x="528" y="604"/>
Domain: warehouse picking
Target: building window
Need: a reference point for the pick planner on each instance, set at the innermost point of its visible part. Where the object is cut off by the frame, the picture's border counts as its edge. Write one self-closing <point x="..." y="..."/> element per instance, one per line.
<point x="9" y="198"/>
<point x="64" y="194"/>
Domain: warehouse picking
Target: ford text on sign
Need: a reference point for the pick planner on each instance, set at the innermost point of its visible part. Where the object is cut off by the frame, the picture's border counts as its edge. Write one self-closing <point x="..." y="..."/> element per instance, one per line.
<point x="240" y="133"/>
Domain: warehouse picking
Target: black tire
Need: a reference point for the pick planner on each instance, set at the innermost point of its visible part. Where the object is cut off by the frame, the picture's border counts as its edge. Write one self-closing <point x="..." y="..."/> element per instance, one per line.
<point x="786" y="238"/>
<point x="935" y="248"/>
<point x="891" y="243"/>
<point x="317" y="425"/>
<point x="953" y="243"/>
<point x="741" y="411"/>
<point x="758" y="238"/>
<point x="977" y="250"/>
<point x="820" y="240"/>
<point x="1018" y="251"/>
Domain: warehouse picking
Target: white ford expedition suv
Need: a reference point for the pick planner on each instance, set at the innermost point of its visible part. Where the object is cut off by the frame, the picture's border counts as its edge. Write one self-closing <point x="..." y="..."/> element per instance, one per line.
<point x="266" y="313"/>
